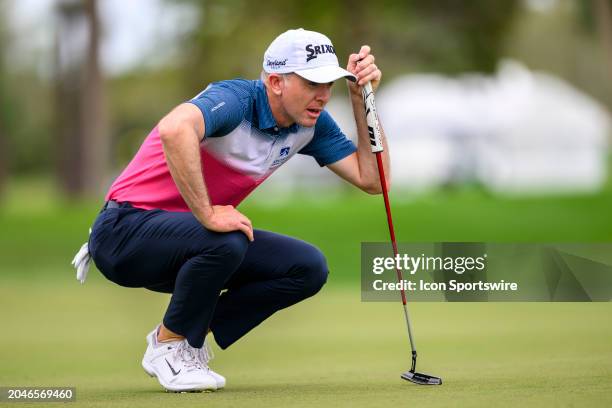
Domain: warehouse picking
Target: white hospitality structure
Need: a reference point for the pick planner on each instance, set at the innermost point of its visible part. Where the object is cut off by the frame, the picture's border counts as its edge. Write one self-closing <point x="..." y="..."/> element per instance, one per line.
<point x="518" y="132"/>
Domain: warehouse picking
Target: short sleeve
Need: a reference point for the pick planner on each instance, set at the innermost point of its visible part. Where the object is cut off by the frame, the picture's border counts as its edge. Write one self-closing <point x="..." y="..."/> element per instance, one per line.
<point x="328" y="144"/>
<point x="222" y="108"/>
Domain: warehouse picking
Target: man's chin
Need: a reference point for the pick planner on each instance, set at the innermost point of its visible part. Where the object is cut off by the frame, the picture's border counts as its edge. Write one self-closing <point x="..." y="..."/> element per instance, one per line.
<point x="308" y="122"/>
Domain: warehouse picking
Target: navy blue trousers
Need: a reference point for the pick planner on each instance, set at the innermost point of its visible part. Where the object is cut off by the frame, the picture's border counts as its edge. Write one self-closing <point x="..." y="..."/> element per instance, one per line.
<point x="172" y="252"/>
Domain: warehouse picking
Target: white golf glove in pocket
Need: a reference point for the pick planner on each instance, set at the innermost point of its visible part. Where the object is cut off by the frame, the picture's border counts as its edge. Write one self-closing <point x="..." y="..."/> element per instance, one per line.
<point x="81" y="262"/>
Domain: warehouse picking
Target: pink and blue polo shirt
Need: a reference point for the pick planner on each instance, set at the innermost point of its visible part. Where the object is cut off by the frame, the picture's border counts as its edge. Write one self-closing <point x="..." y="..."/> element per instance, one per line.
<point x="241" y="148"/>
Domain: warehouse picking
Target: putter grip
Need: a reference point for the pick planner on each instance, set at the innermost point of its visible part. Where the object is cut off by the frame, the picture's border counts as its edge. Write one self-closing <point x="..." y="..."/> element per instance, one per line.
<point x="372" y="118"/>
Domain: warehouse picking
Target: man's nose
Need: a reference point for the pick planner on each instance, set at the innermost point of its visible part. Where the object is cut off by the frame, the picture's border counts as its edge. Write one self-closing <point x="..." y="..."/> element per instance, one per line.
<point x="324" y="93"/>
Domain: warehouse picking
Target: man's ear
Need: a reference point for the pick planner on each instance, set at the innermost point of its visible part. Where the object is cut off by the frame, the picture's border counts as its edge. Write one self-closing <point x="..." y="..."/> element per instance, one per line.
<point x="275" y="82"/>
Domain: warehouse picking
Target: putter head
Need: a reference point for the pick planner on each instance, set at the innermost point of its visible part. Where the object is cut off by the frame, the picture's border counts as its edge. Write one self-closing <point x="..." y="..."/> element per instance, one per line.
<point x="422" y="379"/>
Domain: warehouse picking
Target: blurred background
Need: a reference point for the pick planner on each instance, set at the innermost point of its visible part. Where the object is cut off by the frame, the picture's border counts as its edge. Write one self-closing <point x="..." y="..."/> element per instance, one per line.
<point x="498" y="119"/>
<point x="514" y="97"/>
<point x="497" y="114"/>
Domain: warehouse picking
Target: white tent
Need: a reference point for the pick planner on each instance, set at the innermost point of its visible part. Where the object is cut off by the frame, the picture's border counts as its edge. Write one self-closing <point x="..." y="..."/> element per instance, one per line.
<point x="518" y="132"/>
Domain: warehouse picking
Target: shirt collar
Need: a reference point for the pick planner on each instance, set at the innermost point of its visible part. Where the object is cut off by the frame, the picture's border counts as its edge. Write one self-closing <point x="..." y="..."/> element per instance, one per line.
<point x="265" y="119"/>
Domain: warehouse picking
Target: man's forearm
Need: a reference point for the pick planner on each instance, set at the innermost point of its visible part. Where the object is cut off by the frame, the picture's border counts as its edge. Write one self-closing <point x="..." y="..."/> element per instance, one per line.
<point x="182" y="150"/>
<point x="367" y="160"/>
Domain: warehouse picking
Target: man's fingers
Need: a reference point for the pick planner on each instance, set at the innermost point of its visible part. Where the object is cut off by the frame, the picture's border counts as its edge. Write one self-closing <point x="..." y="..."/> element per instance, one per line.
<point x="243" y="224"/>
<point x="364" y="51"/>
<point x="365" y="63"/>
<point x="251" y="234"/>
<point x="362" y="66"/>
<point x="352" y="62"/>
<point x="356" y="58"/>
<point x="246" y="221"/>
<point x="371" y="73"/>
<point x="248" y="231"/>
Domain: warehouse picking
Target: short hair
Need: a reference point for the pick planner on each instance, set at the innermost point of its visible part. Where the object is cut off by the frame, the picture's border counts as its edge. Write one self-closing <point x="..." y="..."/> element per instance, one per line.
<point x="264" y="75"/>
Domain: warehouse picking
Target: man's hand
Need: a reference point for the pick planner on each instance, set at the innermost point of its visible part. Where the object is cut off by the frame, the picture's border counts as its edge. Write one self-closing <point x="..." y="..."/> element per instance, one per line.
<point x="362" y="66"/>
<point x="360" y="168"/>
<point x="225" y="218"/>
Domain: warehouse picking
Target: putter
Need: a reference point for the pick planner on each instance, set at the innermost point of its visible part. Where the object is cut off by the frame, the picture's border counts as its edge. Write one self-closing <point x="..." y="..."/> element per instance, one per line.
<point x="377" y="148"/>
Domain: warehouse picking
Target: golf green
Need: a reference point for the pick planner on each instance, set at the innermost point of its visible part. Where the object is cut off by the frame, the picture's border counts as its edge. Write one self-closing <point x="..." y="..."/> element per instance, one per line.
<point x="331" y="350"/>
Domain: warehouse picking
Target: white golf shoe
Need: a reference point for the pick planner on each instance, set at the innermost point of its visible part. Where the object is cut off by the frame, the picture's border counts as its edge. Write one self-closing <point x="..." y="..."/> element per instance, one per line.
<point x="205" y="354"/>
<point x="176" y="365"/>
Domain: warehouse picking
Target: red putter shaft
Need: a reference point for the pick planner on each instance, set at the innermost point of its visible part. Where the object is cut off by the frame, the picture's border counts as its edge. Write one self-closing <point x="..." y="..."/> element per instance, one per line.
<point x="383" y="184"/>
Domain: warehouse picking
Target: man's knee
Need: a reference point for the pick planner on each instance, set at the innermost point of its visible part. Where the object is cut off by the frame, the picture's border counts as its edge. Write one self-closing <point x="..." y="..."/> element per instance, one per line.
<point x="216" y="263"/>
<point x="314" y="271"/>
<point x="232" y="245"/>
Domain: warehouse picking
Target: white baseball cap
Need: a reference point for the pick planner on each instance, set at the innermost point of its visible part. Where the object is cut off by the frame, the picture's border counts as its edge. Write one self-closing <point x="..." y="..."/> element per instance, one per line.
<point x="309" y="54"/>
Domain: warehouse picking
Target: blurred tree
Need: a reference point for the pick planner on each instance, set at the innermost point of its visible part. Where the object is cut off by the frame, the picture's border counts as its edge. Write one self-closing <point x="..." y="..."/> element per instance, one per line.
<point x="446" y="36"/>
<point x="81" y="118"/>
<point x="595" y="17"/>
<point x="580" y="27"/>
<point x="4" y="104"/>
<point x="602" y="9"/>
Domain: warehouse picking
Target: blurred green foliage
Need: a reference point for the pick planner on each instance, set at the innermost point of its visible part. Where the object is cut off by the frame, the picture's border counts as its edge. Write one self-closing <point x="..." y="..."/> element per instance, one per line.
<point x="5" y="106"/>
<point x="447" y="36"/>
<point x="565" y="42"/>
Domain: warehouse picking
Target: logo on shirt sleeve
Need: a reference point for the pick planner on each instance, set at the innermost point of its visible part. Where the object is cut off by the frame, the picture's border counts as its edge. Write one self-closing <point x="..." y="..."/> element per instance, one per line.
<point x="217" y="106"/>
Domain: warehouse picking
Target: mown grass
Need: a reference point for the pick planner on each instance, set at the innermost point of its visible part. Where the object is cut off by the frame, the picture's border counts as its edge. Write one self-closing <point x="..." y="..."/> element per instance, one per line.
<point x="331" y="350"/>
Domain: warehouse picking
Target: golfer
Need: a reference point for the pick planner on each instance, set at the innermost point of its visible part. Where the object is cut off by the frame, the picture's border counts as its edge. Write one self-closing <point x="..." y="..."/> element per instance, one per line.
<point x="170" y="222"/>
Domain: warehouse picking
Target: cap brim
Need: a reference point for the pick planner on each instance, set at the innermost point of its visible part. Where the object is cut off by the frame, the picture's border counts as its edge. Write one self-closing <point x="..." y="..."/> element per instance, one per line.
<point x="326" y="74"/>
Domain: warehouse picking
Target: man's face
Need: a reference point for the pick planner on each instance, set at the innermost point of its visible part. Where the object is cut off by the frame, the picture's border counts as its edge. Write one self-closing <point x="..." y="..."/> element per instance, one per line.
<point x="303" y="100"/>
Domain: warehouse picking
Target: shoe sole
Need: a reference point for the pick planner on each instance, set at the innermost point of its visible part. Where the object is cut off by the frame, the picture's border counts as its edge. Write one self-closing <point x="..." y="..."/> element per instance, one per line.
<point x="151" y="372"/>
<point x="220" y="385"/>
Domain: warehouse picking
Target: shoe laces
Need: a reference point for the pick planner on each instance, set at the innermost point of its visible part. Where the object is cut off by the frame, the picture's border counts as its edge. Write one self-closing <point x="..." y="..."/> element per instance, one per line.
<point x="205" y="354"/>
<point x="185" y="353"/>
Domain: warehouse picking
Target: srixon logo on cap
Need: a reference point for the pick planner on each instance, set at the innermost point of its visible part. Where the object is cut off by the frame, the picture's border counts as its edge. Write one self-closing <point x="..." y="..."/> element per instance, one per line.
<point x="314" y="50"/>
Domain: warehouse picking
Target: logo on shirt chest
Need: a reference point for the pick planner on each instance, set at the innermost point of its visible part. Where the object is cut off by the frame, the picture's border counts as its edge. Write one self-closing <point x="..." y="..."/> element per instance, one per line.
<point x="283" y="156"/>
